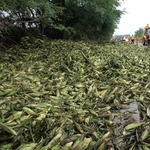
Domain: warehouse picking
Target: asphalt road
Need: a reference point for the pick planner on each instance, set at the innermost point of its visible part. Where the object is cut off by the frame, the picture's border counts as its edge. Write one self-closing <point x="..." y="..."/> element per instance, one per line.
<point x="140" y="44"/>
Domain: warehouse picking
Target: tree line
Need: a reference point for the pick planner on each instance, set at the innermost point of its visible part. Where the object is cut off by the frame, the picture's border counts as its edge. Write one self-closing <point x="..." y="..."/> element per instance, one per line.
<point x="67" y="19"/>
<point x="139" y="32"/>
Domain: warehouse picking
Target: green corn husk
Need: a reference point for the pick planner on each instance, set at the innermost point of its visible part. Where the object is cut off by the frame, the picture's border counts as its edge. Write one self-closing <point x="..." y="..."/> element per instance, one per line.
<point x="6" y="146"/>
<point x="78" y="87"/>
<point x="8" y="129"/>
<point x="104" y="109"/>
<point x="144" y="135"/>
<point x="67" y="146"/>
<point x="83" y="145"/>
<point x="79" y="140"/>
<point x="51" y="143"/>
<point x="145" y="148"/>
<point x="102" y="146"/>
<point x="29" y="111"/>
<point x="133" y="125"/>
<point x="28" y="146"/>
<point x="56" y="147"/>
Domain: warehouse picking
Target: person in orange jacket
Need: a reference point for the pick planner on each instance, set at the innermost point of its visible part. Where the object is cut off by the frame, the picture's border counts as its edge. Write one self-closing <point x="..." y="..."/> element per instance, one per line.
<point x="137" y="40"/>
<point x="129" y="39"/>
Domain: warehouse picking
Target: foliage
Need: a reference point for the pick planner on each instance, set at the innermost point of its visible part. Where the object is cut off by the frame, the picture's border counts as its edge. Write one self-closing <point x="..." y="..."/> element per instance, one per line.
<point x="78" y="19"/>
<point x="139" y="32"/>
<point x="35" y="14"/>
<point x="93" y="20"/>
<point x="31" y="12"/>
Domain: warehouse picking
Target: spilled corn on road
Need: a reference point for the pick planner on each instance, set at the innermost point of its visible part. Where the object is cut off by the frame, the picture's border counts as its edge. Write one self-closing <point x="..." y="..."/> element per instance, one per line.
<point x="64" y="95"/>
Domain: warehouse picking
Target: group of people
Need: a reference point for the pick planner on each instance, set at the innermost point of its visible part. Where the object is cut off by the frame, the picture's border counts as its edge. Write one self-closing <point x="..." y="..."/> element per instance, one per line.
<point x="131" y="39"/>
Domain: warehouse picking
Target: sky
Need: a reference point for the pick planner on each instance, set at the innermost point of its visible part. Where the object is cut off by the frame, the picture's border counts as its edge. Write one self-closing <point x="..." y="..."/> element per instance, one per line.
<point x="137" y="16"/>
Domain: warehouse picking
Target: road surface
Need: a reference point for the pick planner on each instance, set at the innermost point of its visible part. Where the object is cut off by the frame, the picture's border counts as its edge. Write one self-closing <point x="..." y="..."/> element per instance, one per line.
<point x="140" y="44"/>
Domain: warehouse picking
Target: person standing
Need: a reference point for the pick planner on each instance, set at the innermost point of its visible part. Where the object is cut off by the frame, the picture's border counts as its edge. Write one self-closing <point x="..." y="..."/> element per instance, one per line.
<point x="137" y="40"/>
<point x="132" y="39"/>
<point x="129" y="39"/>
<point x="113" y="38"/>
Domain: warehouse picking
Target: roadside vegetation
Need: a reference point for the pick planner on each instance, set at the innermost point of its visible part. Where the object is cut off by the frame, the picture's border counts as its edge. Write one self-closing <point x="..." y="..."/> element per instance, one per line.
<point x="58" y="19"/>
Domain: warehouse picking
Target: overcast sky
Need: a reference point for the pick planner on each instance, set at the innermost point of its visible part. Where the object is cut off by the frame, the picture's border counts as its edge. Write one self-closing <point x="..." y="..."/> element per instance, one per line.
<point x="138" y="15"/>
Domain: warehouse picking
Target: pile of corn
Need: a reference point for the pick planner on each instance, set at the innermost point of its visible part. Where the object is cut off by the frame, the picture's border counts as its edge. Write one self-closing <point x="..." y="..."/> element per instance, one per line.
<point x="64" y="95"/>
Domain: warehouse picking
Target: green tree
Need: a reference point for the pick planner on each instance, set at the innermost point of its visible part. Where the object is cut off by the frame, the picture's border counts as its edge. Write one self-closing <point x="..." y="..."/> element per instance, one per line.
<point x="18" y="15"/>
<point x="95" y="19"/>
<point x="139" y="32"/>
<point x="31" y="12"/>
<point x="78" y="19"/>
